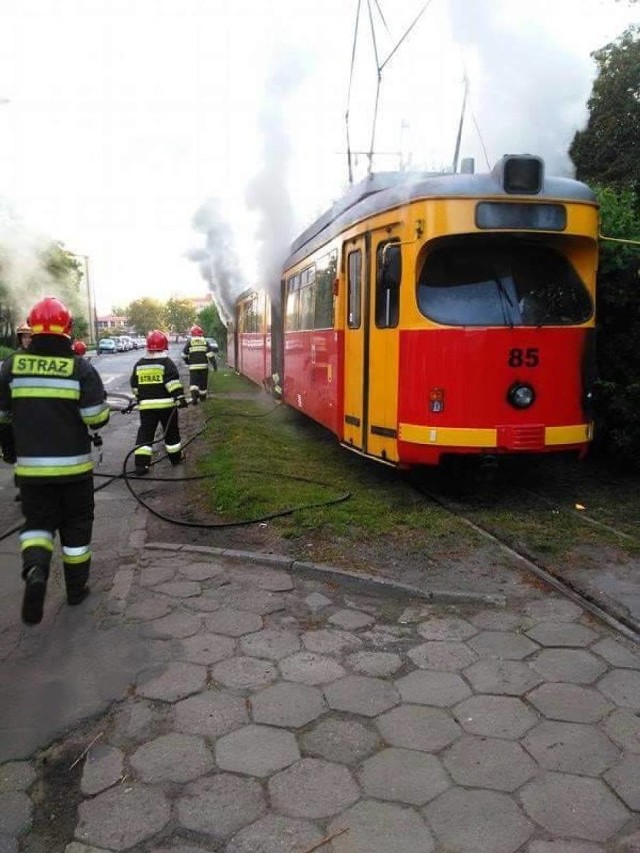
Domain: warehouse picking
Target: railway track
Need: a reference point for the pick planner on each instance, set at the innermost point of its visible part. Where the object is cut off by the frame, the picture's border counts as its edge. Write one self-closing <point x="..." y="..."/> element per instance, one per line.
<point x="598" y="605"/>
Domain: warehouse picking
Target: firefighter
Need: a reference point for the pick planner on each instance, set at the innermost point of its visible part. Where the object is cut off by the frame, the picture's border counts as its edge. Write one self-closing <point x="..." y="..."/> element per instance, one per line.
<point x="48" y="399"/>
<point x="158" y="389"/>
<point x="199" y="355"/>
<point x="23" y="333"/>
<point x="79" y="348"/>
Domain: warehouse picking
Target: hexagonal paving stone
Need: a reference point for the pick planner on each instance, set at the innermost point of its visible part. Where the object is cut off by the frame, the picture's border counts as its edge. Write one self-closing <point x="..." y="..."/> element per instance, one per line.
<point x="172" y="758"/>
<point x="497" y="620"/>
<point x="201" y="571"/>
<point x="330" y="642"/>
<point x="172" y="682"/>
<point x="495" y="716"/>
<point x="562" y="634"/>
<point x="403" y="775"/>
<point x="569" y="702"/>
<point x="310" y="668"/>
<point x="380" y="827"/>
<point x="442" y="655"/>
<point x="624" y="778"/>
<point x="344" y="741"/>
<point x="270" y="643"/>
<point x="207" y="648"/>
<point x="575" y="666"/>
<point x="564" y="847"/>
<point x="233" y="623"/>
<point x="275" y="834"/>
<point x="212" y="714"/>
<point x="616" y="654"/>
<point x="426" y="687"/>
<point x="573" y="806"/>
<point x="351" y="620"/>
<point x="244" y="673"/>
<point x="489" y="763"/>
<point x="122" y="817"/>
<point x="361" y="695"/>
<point x="174" y="626"/>
<point x="478" y="822"/>
<point x="287" y="704"/>
<point x="570" y="747"/>
<point x="312" y="788"/>
<point x="102" y="769"/>
<point x="376" y="664"/>
<point x="623" y="727"/>
<point x="502" y="677"/>
<point x="446" y="628"/>
<point x="256" y="750"/>
<point x="622" y="686"/>
<point x="502" y="644"/>
<point x="551" y="609"/>
<point x="417" y="727"/>
<point x="260" y="601"/>
<point x="179" y="589"/>
<point x="220" y="805"/>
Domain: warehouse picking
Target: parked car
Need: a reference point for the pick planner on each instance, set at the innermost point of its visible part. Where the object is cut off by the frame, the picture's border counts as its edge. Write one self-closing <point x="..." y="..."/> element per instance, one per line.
<point x="141" y="342"/>
<point x="129" y="343"/>
<point x="106" y="345"/>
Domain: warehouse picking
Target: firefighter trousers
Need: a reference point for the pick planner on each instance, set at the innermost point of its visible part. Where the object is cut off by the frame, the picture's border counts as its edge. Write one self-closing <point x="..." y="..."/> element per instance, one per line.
<point x="149" y="420"/>
<point x="198" y="382"/>
<point x="67" y="508"/>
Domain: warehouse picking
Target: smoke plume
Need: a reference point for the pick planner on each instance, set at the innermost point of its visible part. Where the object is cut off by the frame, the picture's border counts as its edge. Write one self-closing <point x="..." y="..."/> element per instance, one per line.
<point x="530" y="95"/>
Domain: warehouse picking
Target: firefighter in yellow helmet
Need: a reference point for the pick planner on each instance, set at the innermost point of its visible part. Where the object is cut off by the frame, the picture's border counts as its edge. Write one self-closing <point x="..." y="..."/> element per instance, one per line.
<point x="49" y="397"/>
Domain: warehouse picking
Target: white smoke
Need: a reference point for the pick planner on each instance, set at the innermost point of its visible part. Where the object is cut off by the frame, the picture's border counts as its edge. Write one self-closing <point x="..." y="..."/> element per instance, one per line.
<point x="24" y="277"/>
<point x="527" y="93"/>
<point x="267" y="193"/>
<point x="218" y="261"/>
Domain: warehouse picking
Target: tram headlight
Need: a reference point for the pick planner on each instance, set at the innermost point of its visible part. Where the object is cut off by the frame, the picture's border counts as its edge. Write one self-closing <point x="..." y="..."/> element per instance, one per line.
<point x="521" y="396"/>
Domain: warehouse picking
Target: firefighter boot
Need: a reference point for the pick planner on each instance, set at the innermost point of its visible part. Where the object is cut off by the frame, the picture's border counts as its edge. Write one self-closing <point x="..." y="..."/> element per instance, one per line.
<point x="75" y="580"/>
<point x="194" y="396"/>
<point x="35" y="587"/>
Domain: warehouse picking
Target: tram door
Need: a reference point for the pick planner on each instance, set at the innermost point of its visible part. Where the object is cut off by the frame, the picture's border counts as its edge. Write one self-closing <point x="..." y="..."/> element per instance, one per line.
<point x="356" y="265"/>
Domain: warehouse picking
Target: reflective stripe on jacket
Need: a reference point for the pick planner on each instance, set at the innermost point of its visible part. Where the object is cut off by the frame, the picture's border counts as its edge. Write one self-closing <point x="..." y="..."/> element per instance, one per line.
<point x="48" y="398"/>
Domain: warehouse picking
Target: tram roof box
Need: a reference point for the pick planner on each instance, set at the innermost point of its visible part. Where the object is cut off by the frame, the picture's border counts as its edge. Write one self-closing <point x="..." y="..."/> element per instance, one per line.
<point x="520" y="174"/>
<point x="468" y="166"/>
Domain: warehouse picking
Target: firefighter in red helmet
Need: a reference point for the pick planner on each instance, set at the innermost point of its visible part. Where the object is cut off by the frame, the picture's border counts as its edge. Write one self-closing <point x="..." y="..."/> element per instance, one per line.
<point x="23" y="333"/>
<point x="49" y="399"/>
<point x="158" y="389"/>
<point x="199" y="355"/>
<point x="79" y="348"/>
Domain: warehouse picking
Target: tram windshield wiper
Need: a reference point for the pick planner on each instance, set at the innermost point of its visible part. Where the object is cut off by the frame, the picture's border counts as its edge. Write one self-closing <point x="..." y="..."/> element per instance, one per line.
<point x="504" y="297"/>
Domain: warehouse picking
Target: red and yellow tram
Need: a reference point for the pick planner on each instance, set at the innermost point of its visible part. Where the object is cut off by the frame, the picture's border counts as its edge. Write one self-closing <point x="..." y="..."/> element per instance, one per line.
<point x="431" y="316"/>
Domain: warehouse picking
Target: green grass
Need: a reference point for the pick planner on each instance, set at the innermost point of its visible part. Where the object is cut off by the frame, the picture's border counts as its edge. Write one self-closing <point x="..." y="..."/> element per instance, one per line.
<point x="260" y="453"/>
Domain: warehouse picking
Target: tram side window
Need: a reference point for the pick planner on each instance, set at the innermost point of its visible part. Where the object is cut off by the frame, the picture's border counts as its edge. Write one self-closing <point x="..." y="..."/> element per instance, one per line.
<point x="388" y="278"/>
<point x="293" y="299"/>
<point x="306" y="307"/>
<point x="326" y="269"/>
<point x="354" y="289"/>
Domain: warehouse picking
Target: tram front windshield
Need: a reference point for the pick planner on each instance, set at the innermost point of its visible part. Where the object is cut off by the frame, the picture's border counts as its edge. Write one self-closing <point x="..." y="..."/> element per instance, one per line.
<point x="498" y="282"/>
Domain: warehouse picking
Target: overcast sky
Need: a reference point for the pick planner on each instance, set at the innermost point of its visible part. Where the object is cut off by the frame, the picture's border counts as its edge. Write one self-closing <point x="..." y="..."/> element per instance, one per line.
<point x="125" y="116"/>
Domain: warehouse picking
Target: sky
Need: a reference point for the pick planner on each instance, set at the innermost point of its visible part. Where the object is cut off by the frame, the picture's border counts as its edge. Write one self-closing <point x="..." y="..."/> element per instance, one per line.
<point x="123" y="122"/>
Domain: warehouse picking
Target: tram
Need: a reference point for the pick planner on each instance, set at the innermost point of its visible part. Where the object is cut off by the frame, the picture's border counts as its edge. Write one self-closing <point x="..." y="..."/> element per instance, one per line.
<point x="429" y="316"/>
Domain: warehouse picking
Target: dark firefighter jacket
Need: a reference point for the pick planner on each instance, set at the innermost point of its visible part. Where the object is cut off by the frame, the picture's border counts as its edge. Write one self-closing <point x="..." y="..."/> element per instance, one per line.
<point x="156" y="383"/>
<point x="48" y="398"/>
<point x="197" y="353"/>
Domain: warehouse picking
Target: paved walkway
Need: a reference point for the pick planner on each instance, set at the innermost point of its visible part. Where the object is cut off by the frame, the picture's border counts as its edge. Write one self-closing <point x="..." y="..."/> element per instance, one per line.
<point x="292" y="715"/>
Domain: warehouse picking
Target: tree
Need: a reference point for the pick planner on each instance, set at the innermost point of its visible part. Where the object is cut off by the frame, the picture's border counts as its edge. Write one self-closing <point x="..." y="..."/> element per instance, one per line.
<point x="212" y="326"/>
<point x="179" y="314"/>
<point x="146" y="314"/>
<point x="607" y="151"/>
<point x="618" y="320"/>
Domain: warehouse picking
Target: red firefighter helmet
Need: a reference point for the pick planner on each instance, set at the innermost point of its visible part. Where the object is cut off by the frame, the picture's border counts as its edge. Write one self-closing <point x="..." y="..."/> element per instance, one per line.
<point x="50" y="317"/>
<point x="79" y="348"/>
<point x="196" y="332"/>
<point x="157" y="341"/>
